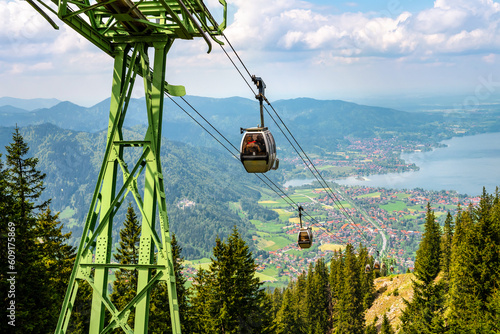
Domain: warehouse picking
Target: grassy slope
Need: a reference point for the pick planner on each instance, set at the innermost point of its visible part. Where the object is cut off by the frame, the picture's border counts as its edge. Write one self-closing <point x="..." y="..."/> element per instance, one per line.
<point x="387" y="302"/>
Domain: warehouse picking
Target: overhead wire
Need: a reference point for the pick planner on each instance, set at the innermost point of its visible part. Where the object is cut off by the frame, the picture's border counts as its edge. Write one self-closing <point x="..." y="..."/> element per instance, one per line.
<point x="275" y="188"/>
<point x="326" y="186"/>
<point x="284" y="196"/>
<point x="314" y="172"/>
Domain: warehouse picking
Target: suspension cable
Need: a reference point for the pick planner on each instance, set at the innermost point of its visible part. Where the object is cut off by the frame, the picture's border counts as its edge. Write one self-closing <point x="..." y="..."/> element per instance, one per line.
<point x="275" y="188"/>
<point x="314" y="172"/>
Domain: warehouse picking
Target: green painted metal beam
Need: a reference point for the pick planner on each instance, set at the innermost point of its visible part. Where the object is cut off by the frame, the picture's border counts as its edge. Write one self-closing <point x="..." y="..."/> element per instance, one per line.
<point x="126" y="30"/>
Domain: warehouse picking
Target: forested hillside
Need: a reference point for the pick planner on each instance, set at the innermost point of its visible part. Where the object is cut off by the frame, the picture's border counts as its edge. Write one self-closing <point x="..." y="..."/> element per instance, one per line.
<point x="454" y="287"/>
<point x="207" y="178"/>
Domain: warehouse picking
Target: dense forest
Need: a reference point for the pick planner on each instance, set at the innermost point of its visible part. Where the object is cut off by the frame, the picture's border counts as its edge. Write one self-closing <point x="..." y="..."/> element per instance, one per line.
<point x="455" y="284"/>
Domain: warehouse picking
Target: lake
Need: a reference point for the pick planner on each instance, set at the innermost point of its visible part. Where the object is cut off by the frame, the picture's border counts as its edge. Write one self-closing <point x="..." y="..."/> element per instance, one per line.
<point x="465" y="165"/>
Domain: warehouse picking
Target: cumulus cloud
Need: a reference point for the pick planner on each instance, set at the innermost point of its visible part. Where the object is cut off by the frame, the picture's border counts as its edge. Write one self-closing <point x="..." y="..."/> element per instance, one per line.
<point x="30" y="43"/>
<point x="449" y="27"/>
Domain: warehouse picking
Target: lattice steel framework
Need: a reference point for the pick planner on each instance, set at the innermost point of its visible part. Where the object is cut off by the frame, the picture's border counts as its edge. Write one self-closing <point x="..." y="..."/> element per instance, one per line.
<point x="126" y="30"/>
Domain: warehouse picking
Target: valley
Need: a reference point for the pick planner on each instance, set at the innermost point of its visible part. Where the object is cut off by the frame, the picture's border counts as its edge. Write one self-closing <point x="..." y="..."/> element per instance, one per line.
<point x="209" y="192"/>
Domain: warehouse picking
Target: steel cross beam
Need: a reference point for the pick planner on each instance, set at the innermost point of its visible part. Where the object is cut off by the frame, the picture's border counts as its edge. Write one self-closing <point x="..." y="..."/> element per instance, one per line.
<point x="126" y="30"/>
<point x="109" y="23"/>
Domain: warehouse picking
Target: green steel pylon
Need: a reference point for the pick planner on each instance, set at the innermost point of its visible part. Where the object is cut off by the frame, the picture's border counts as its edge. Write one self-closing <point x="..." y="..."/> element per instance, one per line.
<point x="126" y="30"/>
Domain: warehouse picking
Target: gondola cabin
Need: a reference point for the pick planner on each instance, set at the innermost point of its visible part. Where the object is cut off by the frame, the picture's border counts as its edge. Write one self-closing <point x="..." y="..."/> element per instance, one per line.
<point x="305" y="237"/>
<point x="258" y="150"/>
<point x="376" y="265"/>
<point x="368" y="268"/>
<point x="391" y="269"/>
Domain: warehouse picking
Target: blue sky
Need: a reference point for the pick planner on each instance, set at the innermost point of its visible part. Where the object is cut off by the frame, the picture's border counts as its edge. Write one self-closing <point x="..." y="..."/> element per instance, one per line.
<point x="350" y="50"/>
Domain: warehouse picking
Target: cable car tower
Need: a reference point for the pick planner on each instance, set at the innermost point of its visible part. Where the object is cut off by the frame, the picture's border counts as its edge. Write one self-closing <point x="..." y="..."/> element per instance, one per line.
<point x="126" y="30"/>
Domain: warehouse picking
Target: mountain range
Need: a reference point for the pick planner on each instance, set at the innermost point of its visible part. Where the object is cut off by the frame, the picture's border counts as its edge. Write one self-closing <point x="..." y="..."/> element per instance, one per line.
<point x="323" y="123"/>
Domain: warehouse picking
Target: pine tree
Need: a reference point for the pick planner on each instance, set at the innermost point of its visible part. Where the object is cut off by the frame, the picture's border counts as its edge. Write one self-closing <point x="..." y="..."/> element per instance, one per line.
<point x="424" y="314"/>
<point x="203" y="303"/>
<point x="446" y="244"/>
<point x="229" y="295"/>
<point x="386" y="326"/>
<point x="286" y="319"/>
<point x="336" y="284"/>
<point x="7" y="242"/>
<point x="371" y="329"/>
<point x="159" y="313"/>
<point x="318" y="311"/>
<point x="80" y="315"/>
<point x="24" y="180"/>
<point x="24" y="184"/>
<point x="475" y="267"/>
<point x="427" y="264"/>
<point x="125" y="284"/>
<point x="349" y="310"/>
<point x="367" y="285"/>
<point x="493" y="308"/>
<point x="277" y="300"/>
<point x="56" y="260"/>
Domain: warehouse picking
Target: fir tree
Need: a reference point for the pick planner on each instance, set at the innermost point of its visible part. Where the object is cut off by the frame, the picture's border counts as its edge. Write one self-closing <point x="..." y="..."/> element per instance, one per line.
<point x="56" y="260"/>
<point x="386" y="327"/>
<point x="318" y="311"/>
<point x="475" y="267"/>
<point x="24" y="184"/>
<point x="24" y="180"/>
<point x="371" y="329"/>
<point x="125" y="284"/>
<point x="424" y="314"/>
<point x="7" y="241"/>
<point x="159" y="313"/>
<point x="229" y="296"/>
<point x="446" y="244"/>
<point x="277" y="300"/>
<point x="336" y="283"/>
<point x="427" y="264"/>
<point x="80" y="314"/>
<point x="349" y="311"/>
<point x="286" y="319"/>
<point x="367" y="286"/>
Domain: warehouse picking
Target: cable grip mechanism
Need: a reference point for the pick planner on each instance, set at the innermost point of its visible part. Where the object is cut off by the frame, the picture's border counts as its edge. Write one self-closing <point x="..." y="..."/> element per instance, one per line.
<point x="261" y="96"/>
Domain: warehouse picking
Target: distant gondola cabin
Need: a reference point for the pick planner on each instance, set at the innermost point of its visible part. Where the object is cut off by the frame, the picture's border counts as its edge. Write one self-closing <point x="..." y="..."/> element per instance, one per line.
<point x="258" y="150"/>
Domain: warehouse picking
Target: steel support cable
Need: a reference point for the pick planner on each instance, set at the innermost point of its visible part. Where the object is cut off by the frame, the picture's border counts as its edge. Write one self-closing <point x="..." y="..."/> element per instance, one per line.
<point x="283" y="195"/>
<point x="237" y="69"/>
<point x="331" y="194"/>
<point x="235" y="148"/>
<point x="236" y="53"/>
<point x="318" y="224"/>
<point x="315" y="172"/>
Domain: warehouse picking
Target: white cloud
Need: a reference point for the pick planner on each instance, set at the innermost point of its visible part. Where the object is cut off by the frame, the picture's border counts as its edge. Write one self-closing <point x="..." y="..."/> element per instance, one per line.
<point x="491" y="58"/>
<point x="284" y="38"/>
<point x="448" y="27"/>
